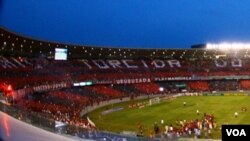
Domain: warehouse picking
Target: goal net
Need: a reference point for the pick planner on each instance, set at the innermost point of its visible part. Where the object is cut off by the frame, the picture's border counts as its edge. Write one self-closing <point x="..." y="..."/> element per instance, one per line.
<point x="154" y="100"/>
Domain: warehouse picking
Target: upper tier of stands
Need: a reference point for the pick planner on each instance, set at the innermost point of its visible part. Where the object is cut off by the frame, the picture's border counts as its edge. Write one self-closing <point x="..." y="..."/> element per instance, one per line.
<point x="37" y="71"/>
<point x="28" y="60"/>
<point x="27" y="63"/>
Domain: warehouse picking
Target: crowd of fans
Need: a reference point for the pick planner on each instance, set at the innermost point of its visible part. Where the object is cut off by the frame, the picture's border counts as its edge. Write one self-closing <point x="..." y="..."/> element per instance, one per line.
<point x="199" y="85"/>
<point x="40" y="70"/>
<point x="105" y="90"/>
<point x="57" y="105"/>
<point x="148" y="88"/>
<point x="65" y="105"/>
<point x="182" y="128"/>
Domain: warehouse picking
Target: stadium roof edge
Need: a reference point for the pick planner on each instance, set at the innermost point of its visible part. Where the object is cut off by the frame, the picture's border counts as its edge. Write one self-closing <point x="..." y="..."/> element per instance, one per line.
<point x="94" y="46"/>
<point x="18" y="45"/>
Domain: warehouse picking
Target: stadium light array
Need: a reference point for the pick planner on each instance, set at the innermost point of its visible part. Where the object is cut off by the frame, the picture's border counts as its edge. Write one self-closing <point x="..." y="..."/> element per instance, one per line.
<point x="228" y="46"/>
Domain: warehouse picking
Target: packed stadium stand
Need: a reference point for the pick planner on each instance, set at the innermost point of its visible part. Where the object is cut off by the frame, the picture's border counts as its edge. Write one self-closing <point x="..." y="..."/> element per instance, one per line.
<point x="31" y="79"/>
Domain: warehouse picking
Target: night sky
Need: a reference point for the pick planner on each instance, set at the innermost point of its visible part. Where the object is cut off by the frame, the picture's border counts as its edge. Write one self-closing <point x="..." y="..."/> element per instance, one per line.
<point x="129" y="23"/>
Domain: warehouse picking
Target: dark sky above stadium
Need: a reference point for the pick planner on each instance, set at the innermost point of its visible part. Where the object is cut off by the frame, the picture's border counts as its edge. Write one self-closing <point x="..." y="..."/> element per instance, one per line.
<point x="129" y="23"/>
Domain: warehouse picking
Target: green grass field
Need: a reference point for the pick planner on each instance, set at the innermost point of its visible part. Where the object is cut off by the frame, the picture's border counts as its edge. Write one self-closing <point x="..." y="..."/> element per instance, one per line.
<point x="222" y="107"/>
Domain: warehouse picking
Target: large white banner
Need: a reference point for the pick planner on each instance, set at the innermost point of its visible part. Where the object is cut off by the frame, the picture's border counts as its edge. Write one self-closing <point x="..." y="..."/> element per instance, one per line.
<point x="12" y="63"/>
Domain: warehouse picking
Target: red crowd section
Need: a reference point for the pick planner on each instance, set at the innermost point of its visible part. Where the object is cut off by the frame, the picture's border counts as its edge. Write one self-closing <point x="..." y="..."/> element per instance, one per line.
<point x="67" y="103"/>
<point x="199" y="85"/>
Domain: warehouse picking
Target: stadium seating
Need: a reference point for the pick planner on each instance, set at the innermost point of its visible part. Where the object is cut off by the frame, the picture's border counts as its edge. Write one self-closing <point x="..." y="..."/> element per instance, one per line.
<point x="245" y="84"/>
<point x="199" y="85"/>
<point x="114" y="74"/>
<point x="102" y="89"/>
<point x="148" y="88"/>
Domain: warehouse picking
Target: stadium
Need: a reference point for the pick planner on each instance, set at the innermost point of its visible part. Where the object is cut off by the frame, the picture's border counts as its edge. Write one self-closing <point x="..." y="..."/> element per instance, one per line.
<point x="107" y="93"/>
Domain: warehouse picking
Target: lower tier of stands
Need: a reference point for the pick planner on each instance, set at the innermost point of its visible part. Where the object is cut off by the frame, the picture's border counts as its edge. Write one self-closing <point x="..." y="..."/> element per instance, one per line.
<point x="66" y="104"/>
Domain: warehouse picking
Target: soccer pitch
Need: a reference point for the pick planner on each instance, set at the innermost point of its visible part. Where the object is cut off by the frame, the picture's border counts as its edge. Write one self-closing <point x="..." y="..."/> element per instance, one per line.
<point x="222" y="107"/>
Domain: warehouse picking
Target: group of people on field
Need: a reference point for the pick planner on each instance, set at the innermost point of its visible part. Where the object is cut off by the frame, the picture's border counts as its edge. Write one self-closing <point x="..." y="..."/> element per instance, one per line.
<point x="183" y="128"/>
